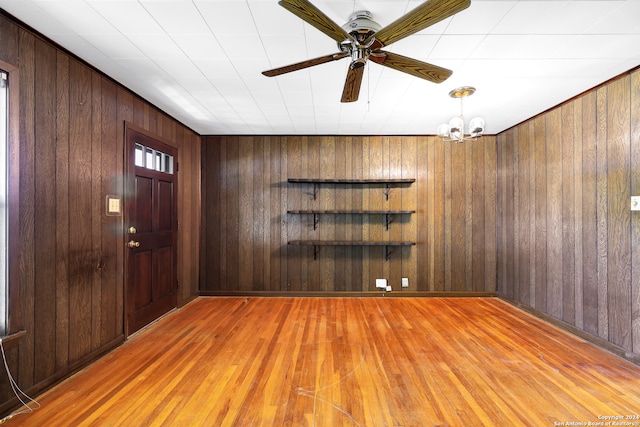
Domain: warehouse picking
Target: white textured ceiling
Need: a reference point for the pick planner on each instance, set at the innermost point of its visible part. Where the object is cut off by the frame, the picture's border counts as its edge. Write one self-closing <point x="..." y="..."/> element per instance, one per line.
<point x="201" y="60"/>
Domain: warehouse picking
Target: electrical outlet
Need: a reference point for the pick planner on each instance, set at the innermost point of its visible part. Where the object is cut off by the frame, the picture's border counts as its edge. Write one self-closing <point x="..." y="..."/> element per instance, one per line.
<point x="381" y="283"/>
<point x="405" y="282"/>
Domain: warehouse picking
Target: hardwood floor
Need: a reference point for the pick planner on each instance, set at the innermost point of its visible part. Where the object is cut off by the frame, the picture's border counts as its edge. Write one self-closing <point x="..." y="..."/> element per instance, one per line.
<point x="346" y="362"/>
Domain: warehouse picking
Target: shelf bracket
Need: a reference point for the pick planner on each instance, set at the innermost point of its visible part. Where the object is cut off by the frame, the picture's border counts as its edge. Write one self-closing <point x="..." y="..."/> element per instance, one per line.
<point x="315" y="190"/>
<point x="388" y="220"/>
<point x="316" y="249"/>
<point x="316" y="219"/>
<point x="386" y="192"/>
<point x="388" y="250"/>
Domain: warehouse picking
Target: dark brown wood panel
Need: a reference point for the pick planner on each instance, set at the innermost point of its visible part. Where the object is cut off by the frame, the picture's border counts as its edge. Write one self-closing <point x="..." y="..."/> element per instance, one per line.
<point x="342" y="258"/>
<point x="45" y="202"/>
<point x="248" y="234"/>
<point x="583" y="159"/>
<point x="568" y="283"/>
<point x="554" y="142"/>
<point x="602" y="213"/>
<point x="81" y="263"/>
<point x="578" y="220"/>
<point x="589" y="215"/>
<point x="112" y="261"/>
<point x="540" y="221"/>
<point x="424" y="220"/>
<point x="406" y="226"/>
<point x="69" y="256"/>
<point x="62" y="211"/>
<point x="96" y="210"/>
<point x="247" y="231"/>
<point x="27" y="203"/>
<point x="436" y="233"/>
<point x="231" y="220"/>
<point x="476" y="226"/>
<point x="619" y="215"/>
<point x="458" y="217"/>
<point x="523" y="206"/>
<point x="326" y="149"/>
<point x="635" y="219"/>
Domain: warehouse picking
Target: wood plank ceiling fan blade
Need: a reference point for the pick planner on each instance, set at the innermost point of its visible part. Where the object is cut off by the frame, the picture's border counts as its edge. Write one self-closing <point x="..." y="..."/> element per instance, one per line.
<point x="352" y="84"/>
<point x="305" y="64"/>
<point x="416" y="68"/>
<point x="314" y="16"/>
<point x="423" y="16"/>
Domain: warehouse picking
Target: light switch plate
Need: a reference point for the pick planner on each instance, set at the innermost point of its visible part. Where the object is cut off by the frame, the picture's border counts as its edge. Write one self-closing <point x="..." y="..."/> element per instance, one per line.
<point x="381" y="283"/>
<point x="114" y="205"/>
<point x="405" y="282"/>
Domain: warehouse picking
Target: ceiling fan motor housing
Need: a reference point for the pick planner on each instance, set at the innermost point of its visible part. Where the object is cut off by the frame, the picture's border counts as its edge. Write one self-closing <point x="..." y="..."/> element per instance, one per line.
<point x="361" y="25"/>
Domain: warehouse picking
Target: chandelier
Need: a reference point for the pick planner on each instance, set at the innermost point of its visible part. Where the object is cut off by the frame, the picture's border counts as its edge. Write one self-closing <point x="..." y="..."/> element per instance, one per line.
<point x="454" y="131"/>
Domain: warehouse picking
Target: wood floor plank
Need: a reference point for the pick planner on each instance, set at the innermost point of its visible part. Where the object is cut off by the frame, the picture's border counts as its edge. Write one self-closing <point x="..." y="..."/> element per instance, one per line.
<point x="345" y="362"/>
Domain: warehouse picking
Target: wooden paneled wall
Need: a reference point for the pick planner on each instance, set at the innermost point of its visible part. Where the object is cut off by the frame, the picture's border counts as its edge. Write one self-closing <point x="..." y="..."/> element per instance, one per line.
<point x="72" y="124"/>
<point x="246" y="226"/>
<point x="568" y="244"/>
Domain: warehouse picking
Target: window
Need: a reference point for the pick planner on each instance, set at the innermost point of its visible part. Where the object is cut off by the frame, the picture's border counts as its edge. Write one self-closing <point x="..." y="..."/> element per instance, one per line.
<point x="4" y="189"/>
<point x="153" y="159"/>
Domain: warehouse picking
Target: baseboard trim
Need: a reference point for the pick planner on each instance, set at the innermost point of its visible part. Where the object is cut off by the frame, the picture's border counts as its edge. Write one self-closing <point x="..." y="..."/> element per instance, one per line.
<point x="347" y="294"/>
<point x="597" y="341"/>
<point x="13" y="404"/>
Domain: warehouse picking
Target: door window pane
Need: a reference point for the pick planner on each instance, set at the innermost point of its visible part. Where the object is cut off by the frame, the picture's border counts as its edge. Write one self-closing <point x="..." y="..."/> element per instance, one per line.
<point x="148" y="161"/>
<point x="139" y="159"/>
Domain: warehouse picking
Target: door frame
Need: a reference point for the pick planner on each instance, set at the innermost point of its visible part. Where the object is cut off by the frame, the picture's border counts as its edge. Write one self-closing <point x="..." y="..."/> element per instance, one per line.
<point x="129" y="192"/>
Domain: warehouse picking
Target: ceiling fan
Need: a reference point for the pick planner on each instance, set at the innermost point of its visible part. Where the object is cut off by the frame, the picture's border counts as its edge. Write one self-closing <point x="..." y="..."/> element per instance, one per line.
<point x="361" y="39"/>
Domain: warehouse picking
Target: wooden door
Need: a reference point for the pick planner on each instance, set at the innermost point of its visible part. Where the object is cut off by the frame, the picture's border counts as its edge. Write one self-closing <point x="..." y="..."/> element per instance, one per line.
<point x="151" y="230"/>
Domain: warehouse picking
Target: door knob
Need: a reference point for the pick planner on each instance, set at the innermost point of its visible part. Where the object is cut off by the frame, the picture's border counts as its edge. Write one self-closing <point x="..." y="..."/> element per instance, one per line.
<point x="132" y="230"/>
<point x="133" y="244"/>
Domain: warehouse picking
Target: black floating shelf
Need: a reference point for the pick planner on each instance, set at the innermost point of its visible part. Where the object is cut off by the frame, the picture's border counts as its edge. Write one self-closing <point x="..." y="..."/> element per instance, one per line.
<point x="386" y="213"/>
<point x="389" y="246"/>
<point x="350" y="211"/>
<point x="352" y="181"/>
<point x="386" y="181"/>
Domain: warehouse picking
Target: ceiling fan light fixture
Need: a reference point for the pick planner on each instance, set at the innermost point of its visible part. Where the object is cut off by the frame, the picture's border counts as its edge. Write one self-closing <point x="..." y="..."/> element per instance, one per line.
<point x="454" y="130"/>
